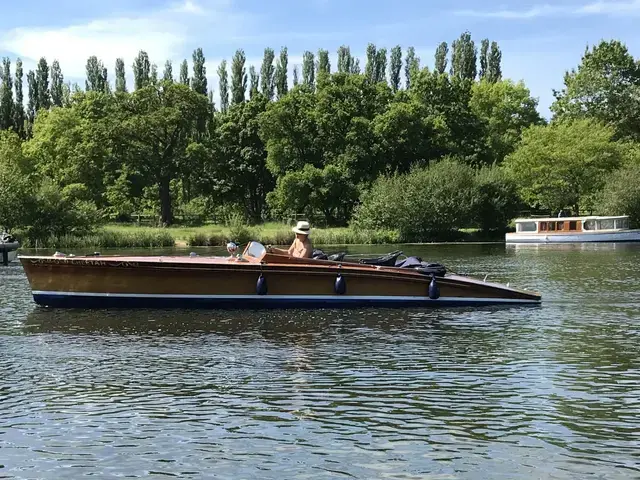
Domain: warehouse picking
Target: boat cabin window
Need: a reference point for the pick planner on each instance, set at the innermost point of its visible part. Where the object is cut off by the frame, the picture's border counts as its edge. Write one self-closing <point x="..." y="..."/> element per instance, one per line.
<point x="606" y="224"/>
<point x="526" y="227"/>
<point x="573" y="225"/>
<point x="622" y="223"/>
<point x="589" y="225"/>
<point x="559" y="225"/>
<point x="551" y="226"/>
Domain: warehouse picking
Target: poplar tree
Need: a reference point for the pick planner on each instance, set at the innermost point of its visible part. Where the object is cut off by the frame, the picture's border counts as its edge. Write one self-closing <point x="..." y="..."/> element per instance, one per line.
<point x="18" y="111"/>
<point x="267" y="80"/>
<point x="238" y="77"/>
<point x="96" y="80"/>
<point x="324" y="67"/>
<point x="43" y="99"/>
<point x="395" y="66"/>
<point x="57" y="82"/>
<point x="411" y="67"/>
<point x="167" y="74"/>
<point x="344" y="59"/>
<point x="121" y="79"/>
<point x="464" y="57"/>
<point x="153" y="75"/>
<point x="199" y="80"/>
<point x="381" y="65"/>
<point x="223" y="86"/>
<point x="141" y="70"/>
<point x="494" y="68"/>
<point x="282" y="69"/>
<point x="484" y="58"/>
<point x="441" y="57"/>
<point x="184" y="72"/>
<point x="308" y="69"/>
<point x="32" y="105"/>
<point x="295" y="75"/>
<point x="371" y="69"/>
<point x="254" y="82"/>
<point x="355" y="66"/>
<point x="6" y="95"/>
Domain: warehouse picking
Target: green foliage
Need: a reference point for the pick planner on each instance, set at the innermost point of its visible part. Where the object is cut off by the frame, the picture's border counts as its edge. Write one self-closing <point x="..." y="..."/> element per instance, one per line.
<point x="238" y="77"/>
<point x="506" y="108"/>
<point x="15" y="185"/>
<point x="310" y="191"/>
<point x="314" y="149"/>
<point x="496" y="200"/>
<point x="426" y="200"/>
<point x="563" y="165"/>
<point x="605" y="87"/>
<point x="621" y="193"/>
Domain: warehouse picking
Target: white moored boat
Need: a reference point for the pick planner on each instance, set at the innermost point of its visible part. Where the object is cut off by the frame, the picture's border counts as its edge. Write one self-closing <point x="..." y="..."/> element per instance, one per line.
<point x="573" y="230"/>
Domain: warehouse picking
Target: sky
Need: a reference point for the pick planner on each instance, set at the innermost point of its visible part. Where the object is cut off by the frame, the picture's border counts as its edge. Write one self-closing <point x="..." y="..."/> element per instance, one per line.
<point x="539" y="40"/>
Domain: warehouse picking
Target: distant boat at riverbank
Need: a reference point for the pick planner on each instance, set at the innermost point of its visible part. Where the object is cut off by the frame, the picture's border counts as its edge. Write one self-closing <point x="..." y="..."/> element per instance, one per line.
<point x="573" y="230"/>
<point x="8" y="248"/>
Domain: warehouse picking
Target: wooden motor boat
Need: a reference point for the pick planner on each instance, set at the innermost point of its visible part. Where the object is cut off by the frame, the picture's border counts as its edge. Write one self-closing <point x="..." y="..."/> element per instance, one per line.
<point x="253" y="279"/>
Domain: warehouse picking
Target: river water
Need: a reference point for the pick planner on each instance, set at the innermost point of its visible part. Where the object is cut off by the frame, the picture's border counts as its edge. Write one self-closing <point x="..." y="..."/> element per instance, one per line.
<point x="548" y="392"/>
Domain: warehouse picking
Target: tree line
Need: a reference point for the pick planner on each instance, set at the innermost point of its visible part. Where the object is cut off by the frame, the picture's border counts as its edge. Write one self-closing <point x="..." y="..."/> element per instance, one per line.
<point x="326" y="147"/>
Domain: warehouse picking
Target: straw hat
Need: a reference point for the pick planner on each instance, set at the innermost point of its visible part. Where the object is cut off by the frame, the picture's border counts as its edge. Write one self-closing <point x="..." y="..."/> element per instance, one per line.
<point x="302" y="228"/>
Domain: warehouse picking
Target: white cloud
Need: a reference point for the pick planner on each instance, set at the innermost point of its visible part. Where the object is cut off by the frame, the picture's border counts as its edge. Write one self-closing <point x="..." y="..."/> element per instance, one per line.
<point x="188" y="6"/>
<point x="545" y="10"/>
<point x="163" y="34"/>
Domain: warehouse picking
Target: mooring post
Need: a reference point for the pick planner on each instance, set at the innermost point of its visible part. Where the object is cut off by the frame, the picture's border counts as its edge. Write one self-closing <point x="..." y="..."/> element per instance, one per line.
<point x="5" y="255"/>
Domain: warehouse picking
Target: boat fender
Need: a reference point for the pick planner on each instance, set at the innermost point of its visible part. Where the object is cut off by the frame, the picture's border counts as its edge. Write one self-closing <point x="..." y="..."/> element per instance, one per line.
<point x="434" y="289"/>
<point x="340" y="286"/>
<point x="261" y="285"/>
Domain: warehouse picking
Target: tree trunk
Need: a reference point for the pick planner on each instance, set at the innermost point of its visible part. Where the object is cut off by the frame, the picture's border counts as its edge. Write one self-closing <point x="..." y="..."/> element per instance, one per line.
<point x="166" y="215"/>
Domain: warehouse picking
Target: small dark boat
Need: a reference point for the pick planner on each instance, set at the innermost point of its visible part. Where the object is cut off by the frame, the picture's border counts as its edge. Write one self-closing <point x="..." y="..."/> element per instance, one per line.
<point x="255" y="279"/>
<point x="8" y="248"/>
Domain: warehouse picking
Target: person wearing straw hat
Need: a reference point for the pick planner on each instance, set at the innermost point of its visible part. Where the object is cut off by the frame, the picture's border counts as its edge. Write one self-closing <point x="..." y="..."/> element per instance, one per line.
<point x="301" y="246"/>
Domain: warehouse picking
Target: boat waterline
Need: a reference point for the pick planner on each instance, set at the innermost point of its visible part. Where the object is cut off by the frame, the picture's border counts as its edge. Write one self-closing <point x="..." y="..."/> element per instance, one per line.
<point x="604" y="237"/>
<point x="110" y="300"/>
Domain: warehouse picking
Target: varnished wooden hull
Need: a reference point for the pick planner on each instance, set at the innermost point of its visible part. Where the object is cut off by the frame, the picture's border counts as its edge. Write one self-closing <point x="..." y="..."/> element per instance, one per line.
<point x="199" y="282"/>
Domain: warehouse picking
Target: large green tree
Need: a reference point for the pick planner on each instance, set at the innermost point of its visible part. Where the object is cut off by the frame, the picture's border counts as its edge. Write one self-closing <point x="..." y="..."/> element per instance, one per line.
<point x="507" y="109"/>
<point x="156" y="122"/>
<point x="604" y="87"/>
<point x="563" y="165"/>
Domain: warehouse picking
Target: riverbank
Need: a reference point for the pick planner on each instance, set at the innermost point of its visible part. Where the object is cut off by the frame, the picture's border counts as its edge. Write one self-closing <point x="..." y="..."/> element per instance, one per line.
<point x="133" y="236"/>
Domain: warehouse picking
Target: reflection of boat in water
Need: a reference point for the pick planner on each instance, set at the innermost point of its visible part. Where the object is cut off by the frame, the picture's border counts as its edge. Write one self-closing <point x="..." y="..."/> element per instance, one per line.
<point x="8" y="248"/>
<point x="573" y="230"/>
<point x="255" y="279"/>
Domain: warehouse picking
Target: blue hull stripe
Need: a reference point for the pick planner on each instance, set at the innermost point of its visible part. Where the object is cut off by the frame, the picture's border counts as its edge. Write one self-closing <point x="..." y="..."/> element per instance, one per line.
<point x="89" y="300"/>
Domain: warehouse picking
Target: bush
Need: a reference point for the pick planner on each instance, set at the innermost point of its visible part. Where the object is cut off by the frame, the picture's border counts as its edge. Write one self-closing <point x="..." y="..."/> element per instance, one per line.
<point x="496" y="200"/>
<point x="434" y="199"/>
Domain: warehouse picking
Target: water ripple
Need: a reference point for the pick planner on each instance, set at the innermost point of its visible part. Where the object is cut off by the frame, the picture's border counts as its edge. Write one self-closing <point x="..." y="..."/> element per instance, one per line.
<point x="550" y="392"/>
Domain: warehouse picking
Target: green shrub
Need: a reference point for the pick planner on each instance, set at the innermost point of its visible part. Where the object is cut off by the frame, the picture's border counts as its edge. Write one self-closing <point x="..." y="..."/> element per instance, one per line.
<point x="621" y="194"/>
<point x="426" y="200"/>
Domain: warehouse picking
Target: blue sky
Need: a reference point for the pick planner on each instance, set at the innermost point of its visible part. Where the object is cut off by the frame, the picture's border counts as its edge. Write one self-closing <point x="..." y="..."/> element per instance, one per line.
<point x="539" y="40"/>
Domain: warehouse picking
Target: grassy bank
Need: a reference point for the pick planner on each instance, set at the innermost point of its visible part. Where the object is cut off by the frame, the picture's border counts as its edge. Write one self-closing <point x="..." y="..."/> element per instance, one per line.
<point x="132" y="236"/>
